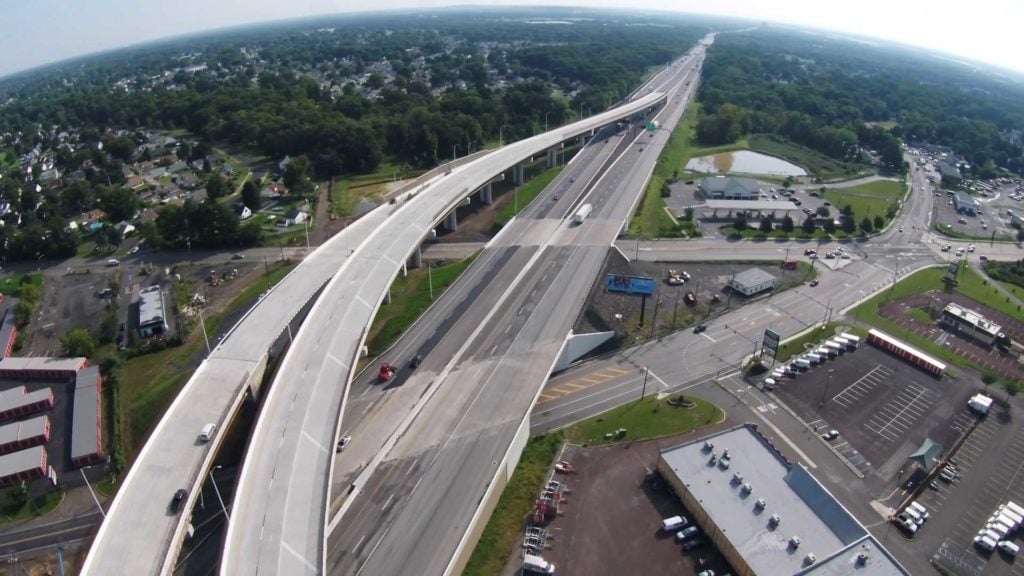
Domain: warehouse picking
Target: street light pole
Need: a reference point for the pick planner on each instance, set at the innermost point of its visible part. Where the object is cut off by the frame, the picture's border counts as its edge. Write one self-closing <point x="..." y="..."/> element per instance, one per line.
<point x="94" y="498"/>
<point x="643" y="391"/>
<point x="217" y="492"/>
<point x="828" y="384"/>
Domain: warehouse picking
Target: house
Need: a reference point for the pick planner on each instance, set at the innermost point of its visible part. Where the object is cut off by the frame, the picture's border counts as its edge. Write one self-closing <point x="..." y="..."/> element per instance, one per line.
<point x="950" y="174"/>
<point x="187" y="180"/>
<point x="227" y="170"/>
<point x="94" y="216"/>
<point x="177" y="167"/>
<point x="242" y="211"/>
<point x="124" y="228"/>
<point x="293" y="217"/>
<point x="722" y="188"/>
<point x="167" y="160"/>
<point x="277" y="189"/>
<point x="135" y="183"/>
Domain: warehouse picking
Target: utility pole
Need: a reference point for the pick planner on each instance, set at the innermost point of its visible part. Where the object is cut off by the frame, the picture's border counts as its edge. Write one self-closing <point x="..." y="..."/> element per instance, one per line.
<point x="430" y="281"/>
<point x="643" y="391"/>
<point x="675" y="309"/>
<point x="654" y="318"/>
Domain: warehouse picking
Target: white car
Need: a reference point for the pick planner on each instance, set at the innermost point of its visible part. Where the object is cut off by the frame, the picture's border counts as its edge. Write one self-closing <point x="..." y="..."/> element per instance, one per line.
<point x="970" y="248"/>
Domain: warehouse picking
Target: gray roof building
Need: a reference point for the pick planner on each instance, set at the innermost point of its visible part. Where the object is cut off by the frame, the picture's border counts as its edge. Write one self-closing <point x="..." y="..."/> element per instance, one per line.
<point x="19" y="435"/>
<point x="722" y="188"/>
<point x="965" y="204"/>
<point x="86" y="424"/>
<point x="23" y="465"/>
<point x="40" y="367"/>
<point x="752" y="281"/>
<point x="768" y="516"/>
<point x="19" y="401"/>
<point x="152" y="318"/>
<point x="948" y="171"/>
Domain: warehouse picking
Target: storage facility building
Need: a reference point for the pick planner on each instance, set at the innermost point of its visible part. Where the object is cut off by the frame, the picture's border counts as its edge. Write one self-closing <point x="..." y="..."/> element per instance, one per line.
<point x="768" y="516"/>
<point x="18" y="401"/>
<point x="752" y="281"/>
<point x="41" y="368"/>
<point x="25" y="434"/>
<point x="24" y="465"/>
<point x="86" y="419"/>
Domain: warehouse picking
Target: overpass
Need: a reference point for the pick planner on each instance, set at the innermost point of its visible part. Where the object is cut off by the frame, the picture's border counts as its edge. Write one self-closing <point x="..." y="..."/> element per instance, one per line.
<point x="139" y="534"/>
<point x="279" y="517"/>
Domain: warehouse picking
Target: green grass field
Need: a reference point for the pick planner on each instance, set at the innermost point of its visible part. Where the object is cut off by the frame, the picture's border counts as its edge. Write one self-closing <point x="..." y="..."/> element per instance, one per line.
<point x="14" y="509"/>
<point x="11" y="284"/>
<point x="873" y="199"/>
<point x="410" y="297"/>
<point x="526" y="194"/>
<point x="647" y="418"/>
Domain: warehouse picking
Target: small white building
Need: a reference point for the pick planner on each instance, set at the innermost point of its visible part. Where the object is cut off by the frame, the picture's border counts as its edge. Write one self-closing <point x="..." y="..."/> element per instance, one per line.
<point x="293" y="217"/>
<point x="243" y="212"/>
<point x="752" y="281"/>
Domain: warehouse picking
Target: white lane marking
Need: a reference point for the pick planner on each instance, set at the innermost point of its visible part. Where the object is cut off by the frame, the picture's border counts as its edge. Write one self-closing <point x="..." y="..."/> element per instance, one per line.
<point x="705" y="334"/>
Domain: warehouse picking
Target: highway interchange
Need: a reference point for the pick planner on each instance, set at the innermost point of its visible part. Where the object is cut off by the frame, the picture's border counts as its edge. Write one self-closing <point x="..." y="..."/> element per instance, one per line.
<point x="429" y="447"/>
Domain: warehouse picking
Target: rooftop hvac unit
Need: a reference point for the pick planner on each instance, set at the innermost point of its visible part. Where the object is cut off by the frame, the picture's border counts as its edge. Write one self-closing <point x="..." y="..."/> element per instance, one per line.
<point x="747" y="488"/>
<point x="774" y="520"/>
<point x="862" y="558"/>
<point x="736" y="477"/>
<point x="810" y="558"/>
<point x="725" y="453"/>
<point x="760" y="504"/>
<point x="708" y="446"/>
<point x="794" y="542"/>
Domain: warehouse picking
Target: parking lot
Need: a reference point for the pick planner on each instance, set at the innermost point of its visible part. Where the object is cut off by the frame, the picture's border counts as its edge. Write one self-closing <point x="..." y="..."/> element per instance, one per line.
<point x="981" y="225"/>
<point x="882" y="408"/>
<point x="610" y="518"/>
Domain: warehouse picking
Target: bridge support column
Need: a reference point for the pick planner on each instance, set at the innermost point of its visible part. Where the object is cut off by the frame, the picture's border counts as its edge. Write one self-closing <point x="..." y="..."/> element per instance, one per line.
<point x="387" y="297"/>
<point x="486" y="194"/>
<point x="405" y="269"/>
<point x="518" y="176"/>
<point x="451" y="222"/>
<point x="552" y="157"/>
<point x="416" y="260"/>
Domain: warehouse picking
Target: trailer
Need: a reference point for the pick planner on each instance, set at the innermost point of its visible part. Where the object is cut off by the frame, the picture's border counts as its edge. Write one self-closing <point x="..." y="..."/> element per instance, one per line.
<point x="581" y="215"/>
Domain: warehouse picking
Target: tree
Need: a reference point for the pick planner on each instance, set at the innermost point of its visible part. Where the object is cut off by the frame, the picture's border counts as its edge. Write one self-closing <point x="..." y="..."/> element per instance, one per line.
<point x="766" y="224"/>
<point x="216" y="187"/>
<point x="823" y="211"/>
<point x="788" y="181"/>
<point x="849" y="226"/>
<point x="740" y="224"/>
<point x="78" y="342"/>
<point x="808" y="225"/>
<point x="866" y="225"/>
<point x="847" y="211"/>
<point x="251" y="195"/>
<point x="829" y="226"/>
<point x="112" y="235"/>
<point x="787" y="224"/>
<point x="296" y="175"/>
<point x="879" y="222"/>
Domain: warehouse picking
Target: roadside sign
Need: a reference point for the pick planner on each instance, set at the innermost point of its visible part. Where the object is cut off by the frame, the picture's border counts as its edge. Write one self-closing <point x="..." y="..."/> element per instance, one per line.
<point x="630" y="284"/>
<point x="771" y="341"/>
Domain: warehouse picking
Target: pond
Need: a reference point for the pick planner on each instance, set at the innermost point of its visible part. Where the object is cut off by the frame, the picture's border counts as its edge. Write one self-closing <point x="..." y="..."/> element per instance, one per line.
<point x="744" y="162"/>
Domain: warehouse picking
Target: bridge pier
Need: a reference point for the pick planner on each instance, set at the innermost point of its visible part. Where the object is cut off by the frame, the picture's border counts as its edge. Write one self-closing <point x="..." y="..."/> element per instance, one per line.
<point x="451" y="222"/>
<point x="416" y="260"/>
<point x="487" y="194"/>
<point x="387" y="296"/>
<point x="518" y="177"/>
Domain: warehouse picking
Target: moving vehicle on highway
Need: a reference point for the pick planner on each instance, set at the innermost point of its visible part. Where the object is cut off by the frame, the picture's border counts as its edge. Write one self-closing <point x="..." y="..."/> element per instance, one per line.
<point x="178" y="498"/>
<point x="387" y="371"/>
<point x="581" y="215"/>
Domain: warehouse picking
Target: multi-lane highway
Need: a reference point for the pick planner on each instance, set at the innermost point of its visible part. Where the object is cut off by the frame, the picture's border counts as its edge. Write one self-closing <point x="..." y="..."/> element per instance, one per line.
<point x="418" y="477"/>
<point x="278" y="524"/>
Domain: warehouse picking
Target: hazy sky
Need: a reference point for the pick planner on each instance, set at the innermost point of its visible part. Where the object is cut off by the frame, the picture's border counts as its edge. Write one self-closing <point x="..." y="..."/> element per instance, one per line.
<point x="41" y="31"/>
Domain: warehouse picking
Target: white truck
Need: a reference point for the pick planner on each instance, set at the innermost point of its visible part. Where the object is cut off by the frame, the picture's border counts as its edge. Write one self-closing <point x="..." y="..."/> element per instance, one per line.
<point x="582" y="214"/>
<point x="537" y="565"/>
<point x="980" y="403"/>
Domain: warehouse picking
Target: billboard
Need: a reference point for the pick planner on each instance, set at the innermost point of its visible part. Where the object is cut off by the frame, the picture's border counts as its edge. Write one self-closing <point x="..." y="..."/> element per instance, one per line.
<point x="771" y="340"/>
<point x="630" y="284"/>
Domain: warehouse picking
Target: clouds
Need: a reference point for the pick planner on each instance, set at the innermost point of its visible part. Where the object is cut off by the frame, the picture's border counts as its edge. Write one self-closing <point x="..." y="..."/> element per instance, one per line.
<point x="45" y="31"/>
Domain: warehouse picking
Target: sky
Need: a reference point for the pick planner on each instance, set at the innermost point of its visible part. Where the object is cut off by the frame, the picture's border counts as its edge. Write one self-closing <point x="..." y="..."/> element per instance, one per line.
<point x="42" y="31"/>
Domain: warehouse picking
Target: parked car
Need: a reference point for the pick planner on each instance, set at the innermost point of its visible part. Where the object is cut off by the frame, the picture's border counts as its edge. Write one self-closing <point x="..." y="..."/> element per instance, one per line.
<point x="699" y="328"/>
<point x="694" y="543"/>
<point x="687" y="532"/>
<point x="813" y="283"/>
<point x="830" y="435"/>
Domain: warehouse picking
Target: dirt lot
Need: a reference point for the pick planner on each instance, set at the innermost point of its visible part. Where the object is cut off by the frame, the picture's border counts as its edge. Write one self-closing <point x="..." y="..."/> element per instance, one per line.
<point x="610" y="523"/>
<point x="618" y="312"/>
<point x="933" y="302"/>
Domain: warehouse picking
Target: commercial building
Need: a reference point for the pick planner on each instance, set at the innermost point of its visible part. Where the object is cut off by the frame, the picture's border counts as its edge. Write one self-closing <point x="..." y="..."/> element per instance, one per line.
<point x="752" y="281"/>
<point x="24" y="465"/>
<point x="964" y="204"/>
<point x="19" y="401"/>
<point x="970" y="323"/>
<point x="768" y="516"/>
<point x="41" y="368"/>
<point x="152" y="318"/>
<point x="25" y="434"/>
<point x="86" y="420"/>
<point x="906" y="352"/>
<point x="723" y="188"/>
<point x="949" y="173"/>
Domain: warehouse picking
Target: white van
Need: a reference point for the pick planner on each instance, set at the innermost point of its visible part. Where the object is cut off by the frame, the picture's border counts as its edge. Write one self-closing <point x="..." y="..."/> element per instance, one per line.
<point x="537" y="565"/>
<point x="853" y="340"/>
<point x="985" y="542"/>
<point x="1010" y="515"/>
<point x="672" y="524"/>
<point x="836" y="346"/>
<point x="207" y="432"/>
<point x="802" y="363"/>
<point x="917" y="507"/>
<point x="826" y="352"/>
<point x="1009" y="547"/>
<point x="912" y="515"/>
<point x="814" y="358"/>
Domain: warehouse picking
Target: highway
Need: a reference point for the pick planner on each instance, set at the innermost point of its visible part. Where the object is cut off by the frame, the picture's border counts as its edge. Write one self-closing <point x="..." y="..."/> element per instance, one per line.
<point x="279" y="517"/>
<point x="488" y="345"/>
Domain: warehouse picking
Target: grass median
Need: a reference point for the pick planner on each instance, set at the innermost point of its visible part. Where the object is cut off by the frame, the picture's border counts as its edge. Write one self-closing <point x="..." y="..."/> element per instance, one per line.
<point x="526" y="194"/>
<point x="649" y="417"/>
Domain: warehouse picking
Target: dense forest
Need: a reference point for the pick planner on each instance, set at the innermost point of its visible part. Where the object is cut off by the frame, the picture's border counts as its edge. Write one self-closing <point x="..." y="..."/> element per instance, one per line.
<point x="281" y="107"/>
<point x="827" y="94"/>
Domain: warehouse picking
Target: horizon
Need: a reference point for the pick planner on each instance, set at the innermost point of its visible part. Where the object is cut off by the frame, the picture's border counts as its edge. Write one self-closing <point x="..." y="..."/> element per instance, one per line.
<point x="218" y="28"/>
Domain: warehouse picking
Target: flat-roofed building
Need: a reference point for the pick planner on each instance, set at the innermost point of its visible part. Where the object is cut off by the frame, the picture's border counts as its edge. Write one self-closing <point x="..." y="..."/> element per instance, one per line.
<point x="752" y="281"/>
<point x="964" y="204"/>
<point x="970" y="323"/>
<point x="768" y="516"/>
<point x="86" y="419"/>
<point x="18" y="401"/>
<point x="25" y="434"/>
<point x="24" y="465"/>
<point x="152" y="317"/>
<point x="41" y="368"/>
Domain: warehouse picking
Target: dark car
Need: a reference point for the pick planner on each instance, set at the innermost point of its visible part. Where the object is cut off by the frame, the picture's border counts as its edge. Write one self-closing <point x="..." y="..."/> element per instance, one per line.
<point x="178" y="498"/>
<point x="695" y="543"/>
<point x="416" y="361"/>
<point x="814" y="283"/>
<point x="237" y="256"/>
<point x="699" y="328"/>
